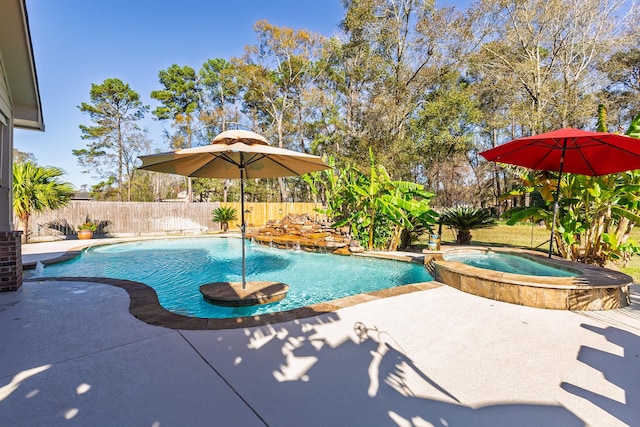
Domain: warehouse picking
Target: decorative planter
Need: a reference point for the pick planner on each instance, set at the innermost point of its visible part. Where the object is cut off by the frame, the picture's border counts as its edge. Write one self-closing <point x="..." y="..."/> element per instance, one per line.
<point x="85" y="234"/>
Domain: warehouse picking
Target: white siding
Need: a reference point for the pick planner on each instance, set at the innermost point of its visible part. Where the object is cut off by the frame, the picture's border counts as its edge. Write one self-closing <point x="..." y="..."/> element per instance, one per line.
<point x="5" y="100"/>
<point x="6" y="153"/>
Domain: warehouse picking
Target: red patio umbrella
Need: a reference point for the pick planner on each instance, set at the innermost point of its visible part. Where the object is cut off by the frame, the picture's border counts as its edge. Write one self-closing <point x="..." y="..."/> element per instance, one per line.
<point x="570" y="150"/>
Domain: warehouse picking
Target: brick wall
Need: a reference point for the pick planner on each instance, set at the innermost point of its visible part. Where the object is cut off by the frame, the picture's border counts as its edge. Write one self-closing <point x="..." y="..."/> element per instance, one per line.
<point x="10" y="260"/>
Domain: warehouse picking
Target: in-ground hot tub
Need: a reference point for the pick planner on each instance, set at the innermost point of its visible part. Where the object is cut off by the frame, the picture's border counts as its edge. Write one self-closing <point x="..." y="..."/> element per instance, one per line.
<point x="529" y="278"/>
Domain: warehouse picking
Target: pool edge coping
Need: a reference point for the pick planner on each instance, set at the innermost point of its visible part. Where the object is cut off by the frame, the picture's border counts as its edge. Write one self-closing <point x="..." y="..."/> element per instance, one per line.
<point x="145" y="306"/>
<point x="594" y="289"/>
<point x="586" y="272"/>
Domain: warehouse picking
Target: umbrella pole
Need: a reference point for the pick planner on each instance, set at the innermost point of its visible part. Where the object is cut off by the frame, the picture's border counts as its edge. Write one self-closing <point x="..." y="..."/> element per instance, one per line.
<point x="555" y="201"/>
<point x="555" y="214"/>
<point x="242" y="224"/>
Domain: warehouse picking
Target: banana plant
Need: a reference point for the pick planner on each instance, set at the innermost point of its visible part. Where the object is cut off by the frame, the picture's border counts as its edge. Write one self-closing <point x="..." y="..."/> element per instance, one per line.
<point x="595" y="214"/>
<point x="376" y="208"/>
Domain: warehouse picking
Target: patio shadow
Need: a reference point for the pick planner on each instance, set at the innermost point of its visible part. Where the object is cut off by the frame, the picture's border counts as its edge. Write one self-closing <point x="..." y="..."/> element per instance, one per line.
<point x="364" y="378"/>
<point x="623" y="371"/>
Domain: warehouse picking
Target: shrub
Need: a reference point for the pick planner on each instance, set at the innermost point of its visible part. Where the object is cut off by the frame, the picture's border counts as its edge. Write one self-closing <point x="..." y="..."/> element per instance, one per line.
<point x="463" y="220"/>
<point x="223" y="215"/>
<point x="88" y="225"/>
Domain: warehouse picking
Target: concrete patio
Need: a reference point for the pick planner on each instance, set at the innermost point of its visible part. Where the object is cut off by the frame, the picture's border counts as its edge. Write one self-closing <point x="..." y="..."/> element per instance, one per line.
<point x="72" y="354"/>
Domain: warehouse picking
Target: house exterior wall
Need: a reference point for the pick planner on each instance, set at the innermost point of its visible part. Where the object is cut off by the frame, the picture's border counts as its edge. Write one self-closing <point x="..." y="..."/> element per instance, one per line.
<point x="20" y="108"/>
<point x="6" y="152"/>
<point x="10" y="260"/>
<point x="5" y="101"/>
<point x="10" y="249"/>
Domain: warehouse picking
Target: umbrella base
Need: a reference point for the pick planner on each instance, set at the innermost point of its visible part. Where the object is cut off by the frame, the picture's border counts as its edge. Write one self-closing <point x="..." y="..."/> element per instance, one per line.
<point x="231" y="294"/>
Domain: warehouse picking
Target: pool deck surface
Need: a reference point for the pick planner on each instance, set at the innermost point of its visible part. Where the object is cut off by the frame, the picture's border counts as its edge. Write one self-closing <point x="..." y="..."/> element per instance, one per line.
<point x="71" y="354"/>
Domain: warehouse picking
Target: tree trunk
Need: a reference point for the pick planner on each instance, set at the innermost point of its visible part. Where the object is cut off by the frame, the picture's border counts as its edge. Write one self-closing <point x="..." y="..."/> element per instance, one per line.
<point x="120" y="158"/>
<point x="24" y="220"/>
<point x="405" y="238"/>
<point x="397" y="238"/>
<point x="189" y="197"/>
<point x="370" y="243"/>
<point x="283" y="190"/>
<point x="464" y="237"/>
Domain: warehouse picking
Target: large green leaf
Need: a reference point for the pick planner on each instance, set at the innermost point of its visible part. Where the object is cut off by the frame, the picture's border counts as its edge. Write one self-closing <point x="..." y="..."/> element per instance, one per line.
<point x="533" y="213"/>
<point x="634" y="127"/>
<point x="630" y="215"/>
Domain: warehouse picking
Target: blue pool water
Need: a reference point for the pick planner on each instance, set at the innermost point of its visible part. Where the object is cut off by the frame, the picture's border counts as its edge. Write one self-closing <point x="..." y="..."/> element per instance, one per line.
<point x="506" y="263"/>
<point x="177" y="268"/>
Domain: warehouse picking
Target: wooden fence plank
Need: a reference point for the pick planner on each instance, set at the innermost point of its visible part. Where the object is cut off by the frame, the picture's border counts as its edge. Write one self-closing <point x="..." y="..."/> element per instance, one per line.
<point x="157" y="217"/>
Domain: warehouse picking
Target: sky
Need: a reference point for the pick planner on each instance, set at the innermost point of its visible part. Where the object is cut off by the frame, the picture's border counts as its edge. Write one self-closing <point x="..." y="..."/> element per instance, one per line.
<point x="77" y="43"/>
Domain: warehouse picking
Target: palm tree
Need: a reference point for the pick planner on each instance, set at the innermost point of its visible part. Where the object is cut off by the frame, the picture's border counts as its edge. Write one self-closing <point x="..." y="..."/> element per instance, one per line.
<point x="223" y="215"/>
<point x="463" y="220"/>
<point x="35" y="189"/>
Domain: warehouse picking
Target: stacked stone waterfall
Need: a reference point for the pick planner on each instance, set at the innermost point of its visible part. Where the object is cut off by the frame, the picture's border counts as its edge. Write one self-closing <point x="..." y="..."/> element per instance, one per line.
<point x="301" y="231"/>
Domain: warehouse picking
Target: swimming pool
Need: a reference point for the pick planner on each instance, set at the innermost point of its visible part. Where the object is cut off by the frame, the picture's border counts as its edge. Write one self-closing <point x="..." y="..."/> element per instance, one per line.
<point x="176" y="268"/>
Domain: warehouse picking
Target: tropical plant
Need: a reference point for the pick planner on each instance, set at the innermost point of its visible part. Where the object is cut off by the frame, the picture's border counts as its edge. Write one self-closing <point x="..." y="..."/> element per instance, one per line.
<point x="223" y="215"/>
<point x="35" y="189"/>
<point x="463" y="220"/>
<point x="376" y="208"/>
<point x="88" y="226"/>
<point x="595" y="214"/>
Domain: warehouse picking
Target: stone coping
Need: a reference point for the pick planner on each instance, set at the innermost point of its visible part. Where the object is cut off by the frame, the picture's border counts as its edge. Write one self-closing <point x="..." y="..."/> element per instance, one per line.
<point x="145" y="306"/>
<point x="587" y="276"/>
<point x="593" y="288"/>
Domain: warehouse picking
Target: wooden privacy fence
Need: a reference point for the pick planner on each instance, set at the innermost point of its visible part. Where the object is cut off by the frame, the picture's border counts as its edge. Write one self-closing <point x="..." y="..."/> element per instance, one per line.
<point x="156" y="217"/>
<point x="258" y="214"/>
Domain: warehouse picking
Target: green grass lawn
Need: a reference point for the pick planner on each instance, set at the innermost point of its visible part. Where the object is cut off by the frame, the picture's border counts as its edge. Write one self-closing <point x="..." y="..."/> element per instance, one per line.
<point x="520" y="235"/>
<point x="525" y="236"/>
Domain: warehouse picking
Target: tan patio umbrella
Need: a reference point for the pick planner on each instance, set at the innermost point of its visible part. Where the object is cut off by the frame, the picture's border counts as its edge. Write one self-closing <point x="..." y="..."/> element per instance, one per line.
<point x="235" y="154"/>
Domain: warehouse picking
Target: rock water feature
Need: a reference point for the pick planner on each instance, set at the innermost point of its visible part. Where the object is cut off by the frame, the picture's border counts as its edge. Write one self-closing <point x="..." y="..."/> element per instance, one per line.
<point x="301" y="232"/>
